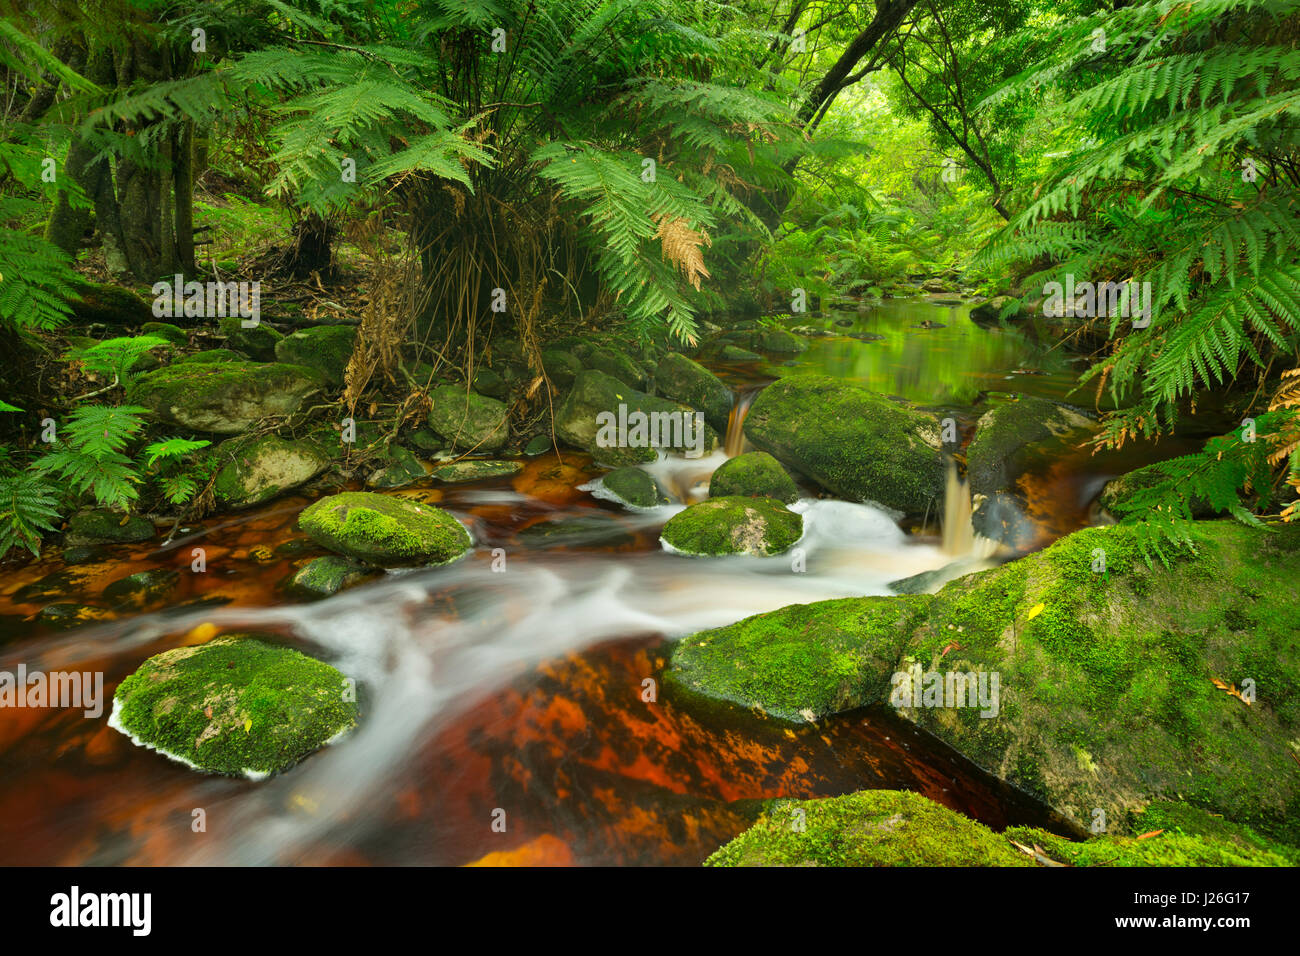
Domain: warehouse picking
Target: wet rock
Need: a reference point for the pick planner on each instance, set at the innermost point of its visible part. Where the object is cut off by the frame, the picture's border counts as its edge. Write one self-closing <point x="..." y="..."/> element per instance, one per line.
<point x="927" y="582"/>
<point x="142" y="588"/>
<point x="732" y="353"/>
<point x="937" y="285"/>
<point x="235" y="706"/>
<point x="466" y="421"/>
<point x="101" y="526"/>
<point x="83" y="554"/>
<point x="259" y="469"/>
<point x="582" y="420"/>
<point x="853" y="442"/>
<point x="325" y="348"/>
<point x="60" y="583"/>
<point x="683" y="380"/>
<point x="633" y="486"/>
<point x="385" y="531"/>
<point x="459" y="471"/>
<point x="327" y="575"/>
<point x="66" y="616"/>
<point x="990" y="311"/>
<point x="258" y="341"/>
<point x="400" y="467"/>
<point x="756" y="475"/>
<point x="583" y="531"/>
<point x="538" y="445"/>
<point x="225" y="398"/>
<point x="426" y="439"/>
<point x="776" y="340"/>
<point x="733" y="525"/>
<point x="866" y="336"/>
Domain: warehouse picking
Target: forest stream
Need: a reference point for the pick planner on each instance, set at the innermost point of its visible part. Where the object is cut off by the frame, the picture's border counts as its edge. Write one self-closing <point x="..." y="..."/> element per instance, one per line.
<point x="525" y="678"/>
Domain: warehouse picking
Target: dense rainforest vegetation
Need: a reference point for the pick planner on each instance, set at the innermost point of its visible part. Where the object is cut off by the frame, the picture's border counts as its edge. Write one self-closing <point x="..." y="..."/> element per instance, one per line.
<point x="971" y="324"/>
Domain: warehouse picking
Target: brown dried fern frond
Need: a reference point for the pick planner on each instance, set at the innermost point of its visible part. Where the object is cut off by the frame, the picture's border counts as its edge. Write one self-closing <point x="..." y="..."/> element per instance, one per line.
<point x="682" y="245"/>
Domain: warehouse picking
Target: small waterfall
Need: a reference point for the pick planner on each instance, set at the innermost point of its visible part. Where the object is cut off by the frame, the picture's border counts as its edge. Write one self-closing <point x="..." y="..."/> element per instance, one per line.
<point x="959" y="537"/>
<point x="735" y="441"/>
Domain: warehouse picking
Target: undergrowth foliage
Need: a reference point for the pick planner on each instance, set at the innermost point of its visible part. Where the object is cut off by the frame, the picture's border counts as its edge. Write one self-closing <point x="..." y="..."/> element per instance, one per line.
<point x="1181" y="171"/>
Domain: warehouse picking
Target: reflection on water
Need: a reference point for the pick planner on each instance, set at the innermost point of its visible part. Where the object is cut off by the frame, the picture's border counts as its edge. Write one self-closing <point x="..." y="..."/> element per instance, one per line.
<point x="931" y="366"/>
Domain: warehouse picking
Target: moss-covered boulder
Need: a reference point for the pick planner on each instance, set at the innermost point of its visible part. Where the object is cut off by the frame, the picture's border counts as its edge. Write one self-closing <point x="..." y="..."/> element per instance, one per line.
<point x="894" y="828"/>
<point x="385" y="531"/>
<point x="109" y="304"/>
<point x="258" y="341"/>
<point x="468" y="421"/>
<point x="259" y="469"/>
<point x="1000" y="308"/>
<point x="398" y="467"/>
<point x="101" y="526"/>
<point x="853" y="442"/>
<point x="326" y="576"/>
<point x="800" y="663"/>
<point x="213" y="355"/>
<point x="225" y="398"/>
<point x="490" y="383"/>
<point x="683" y="380"/>
<point x="165" y="330"/>
<point x="1005" y="436"/>
<point x="769" y="339"/>
<point x="734" y="353"/>
<point x="235" y="706"/>
<point x="1114" y="678"/>
<point x="733" y="525"/>
<point x="326" y="348"/>
<point x="868" y="828"/>
<point x="589" y="418"/>
<point x="755" y="474"/>
<point x="633" y="486"/>
<point x="561" y="367"/>
<point x="459" y="471"/>
<point x="618" y="365"/>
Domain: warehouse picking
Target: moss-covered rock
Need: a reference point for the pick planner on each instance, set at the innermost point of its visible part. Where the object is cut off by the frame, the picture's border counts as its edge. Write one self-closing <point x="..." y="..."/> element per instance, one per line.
<point x="800" y="663"/>
<point x="733" y="353"/>
<point x="398" y="467"/>
<point x="101" y="526"/>
<point x="868" y="828"/>
<point x="561" y="367"/>
<point x="683" y="380"/>
<point x="385" y="531"/>
<point x="853" y="442"/>
<point x="213" y="355"/>
<point x="109" y="304"/>
<point x="618" y="365"/>
<point x="492" y="384"/>
<point x="633" y="486"/>
<point x="235" y="706"/>
<point x="1106" y="694"/>
<point x="258" y="340"/>
<point x="225" y="398"/>
<point x="755" y="474"/>
<point x="1001" y="450"/>
<point x="326" y="348"/>
<point x="327" y="575"/>
<point x="733" y="525"/>
<point x="165" y="330"/>
<point x="468" y="421"/>
<point x="259" y="469"/>
<point x="582" y="420"/>
<point x="892" y="828"/>
<point x="991" y="311"/>
<point x="458" y="471"/>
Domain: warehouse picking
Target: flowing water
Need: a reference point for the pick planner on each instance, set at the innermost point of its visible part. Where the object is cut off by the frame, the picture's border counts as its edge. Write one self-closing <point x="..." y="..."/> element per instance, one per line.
<point x="519" y="690"/>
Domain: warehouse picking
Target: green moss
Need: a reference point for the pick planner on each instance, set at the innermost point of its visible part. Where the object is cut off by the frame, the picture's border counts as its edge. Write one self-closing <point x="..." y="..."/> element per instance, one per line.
<point x="733" y="525"/>
<point x="458" y="471"/>
<point x="1165" y="849"/>
<point x="325" y="348"/>
<point x="327" y="575"/>
<point x="107" y="527"/>
<point x="258" y="469"/>
<point x="634" y="486"/>
<point x="997" y="453"/>
<point x="165" y="330"/>
<point x="399" y="467"/>
<point x="381" y="530"/>
<point x="683" y="380"/>
<point x="467" y="421"/>
<point x="853" y="442"/>
<point x="869" y="828"/>
<point x="616" y="364"/>
<point x="259" y="340"/>
<point x="235" y="705"/>
<point x="213" y="355"/>
<point x="756" y="474"/>
<point x="224" y="397"/>
<point x="803" y="662"/>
